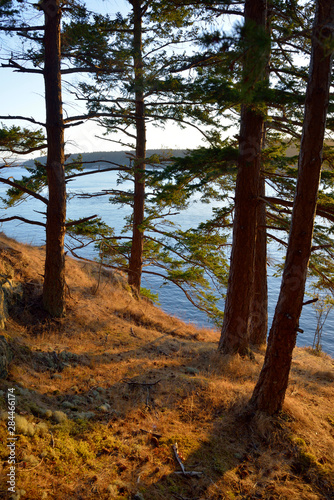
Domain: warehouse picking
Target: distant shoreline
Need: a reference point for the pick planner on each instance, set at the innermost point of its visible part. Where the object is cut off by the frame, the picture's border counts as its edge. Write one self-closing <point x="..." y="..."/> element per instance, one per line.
<point x="99" y="157"/>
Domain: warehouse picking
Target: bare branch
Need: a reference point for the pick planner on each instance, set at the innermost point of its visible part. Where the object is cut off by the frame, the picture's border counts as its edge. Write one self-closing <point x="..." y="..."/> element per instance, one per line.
<point x="27" y="151"/>
<point x="80" y="221"/>
<point x="32" y="120"/>
<point x="117" y="168"/>
<point x="104" y="192"/>
<point x="321" y="210"/>
<point x="17" y="67"/>
<point x="22" y="28"/>
<point x="28" y="221"/>
<point x="284" y="243"/>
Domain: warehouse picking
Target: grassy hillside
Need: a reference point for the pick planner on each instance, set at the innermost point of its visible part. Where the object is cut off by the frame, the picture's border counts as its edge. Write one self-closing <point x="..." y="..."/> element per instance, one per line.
<point x="104" y="395"/>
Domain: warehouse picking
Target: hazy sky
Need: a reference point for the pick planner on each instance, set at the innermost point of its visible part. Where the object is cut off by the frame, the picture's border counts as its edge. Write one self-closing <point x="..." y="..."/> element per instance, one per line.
<point x="22" y="94"/>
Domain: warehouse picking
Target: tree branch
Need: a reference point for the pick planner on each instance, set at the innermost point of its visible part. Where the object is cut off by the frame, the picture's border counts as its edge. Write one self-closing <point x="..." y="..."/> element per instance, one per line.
<point x="23" y="189"/>
<point x="28" y="221"/>
<point x="32" y="120"/>
<point x="321" y="209"/>
<point x="27" y="151"/>
<point x="22" y="28"/>
<point x="14" y="65"/>
<point x="117" y="168"/>
<point x="79" y="221"/>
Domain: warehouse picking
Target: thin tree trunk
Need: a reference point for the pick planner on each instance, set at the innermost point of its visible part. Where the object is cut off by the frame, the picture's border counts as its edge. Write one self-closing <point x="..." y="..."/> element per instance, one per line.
<point x="137" y="246"/>
<point x="259" y="307"/>
<point x="54" y="278"/>
<point x="269" y="393"/>
<point x="235" y="330"/>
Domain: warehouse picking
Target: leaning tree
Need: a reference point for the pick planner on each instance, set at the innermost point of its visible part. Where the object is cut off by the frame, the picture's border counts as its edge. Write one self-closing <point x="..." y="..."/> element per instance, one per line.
<point x="269" y="393"/>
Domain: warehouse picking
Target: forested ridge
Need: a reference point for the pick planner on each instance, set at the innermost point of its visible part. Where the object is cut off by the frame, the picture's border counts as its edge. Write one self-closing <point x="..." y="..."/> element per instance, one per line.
<point x="100" y="158"/>
<point x="254" y="79"/>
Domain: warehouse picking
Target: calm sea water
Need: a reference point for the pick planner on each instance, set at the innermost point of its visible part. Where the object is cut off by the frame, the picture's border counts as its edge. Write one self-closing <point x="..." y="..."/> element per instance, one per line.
<point x="172" y="299"/>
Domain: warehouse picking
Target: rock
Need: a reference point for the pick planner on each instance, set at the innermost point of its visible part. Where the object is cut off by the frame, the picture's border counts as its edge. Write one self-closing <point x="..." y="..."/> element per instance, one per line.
<point x="10" y="293"/>
<point x="31" y="460"/>
<point x="59" y="416"/>
<point x="105" y="408"/>
<point x="6" y="355"/>
<point x="41" y="429"/>
<point x="23" y="391"/>
<point x="192" y="370"/>
<point x="68" y="405"/>
<point x="13" y="292"/>
<point x="138" y="496"/>
<point x="36" y="410"/>
<point x="3" y="309"/>
<point x="22" y="425"/>
<point x="78" y="400"/>
<point x="18" y="495"/>
<point x="85" y="415"/>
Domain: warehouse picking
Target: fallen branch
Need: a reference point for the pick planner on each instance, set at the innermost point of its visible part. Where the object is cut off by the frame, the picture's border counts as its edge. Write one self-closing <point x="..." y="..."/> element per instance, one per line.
<point x="179" y="460"/>
<point x="144" y="384"/>
<point x="154" y="434"/>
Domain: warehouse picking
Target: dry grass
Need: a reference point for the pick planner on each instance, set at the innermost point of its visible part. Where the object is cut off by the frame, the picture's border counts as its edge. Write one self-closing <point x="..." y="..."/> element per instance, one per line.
<point x="114" y="437"/>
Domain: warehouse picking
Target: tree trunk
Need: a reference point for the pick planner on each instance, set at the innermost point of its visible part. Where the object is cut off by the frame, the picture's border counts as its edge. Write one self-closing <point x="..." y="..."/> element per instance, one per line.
<point x="259" y="300"/>
<point x="235" y="331"/>
<point x="259" y="306"/>
<point x="137" y="246"/>
<point x="54" y="278"/>
<point x="269" y="393"/>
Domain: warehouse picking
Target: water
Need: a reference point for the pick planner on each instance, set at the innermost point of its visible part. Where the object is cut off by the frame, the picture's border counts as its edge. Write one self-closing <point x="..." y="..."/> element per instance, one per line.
<point x="172" y="299"/>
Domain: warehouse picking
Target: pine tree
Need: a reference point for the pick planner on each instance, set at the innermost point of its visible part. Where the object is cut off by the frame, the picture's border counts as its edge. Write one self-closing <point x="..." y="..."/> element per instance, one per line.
<point x="145" y="91"/>
<point x="269" y="393"/>
<point x="45" y="57"/>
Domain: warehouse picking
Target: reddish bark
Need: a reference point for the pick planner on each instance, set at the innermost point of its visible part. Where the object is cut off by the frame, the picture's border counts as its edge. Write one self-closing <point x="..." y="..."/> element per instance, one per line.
<point x="235" y="331"/>
<point x="54" y="278"/>
<point x="269" y="393"/>
<point x="259" y="307"/>
<point x="137" y="246"/>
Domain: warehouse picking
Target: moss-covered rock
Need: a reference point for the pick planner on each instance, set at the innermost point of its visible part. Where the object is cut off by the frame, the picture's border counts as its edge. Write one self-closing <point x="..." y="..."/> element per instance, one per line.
<point x="6" y="355"/>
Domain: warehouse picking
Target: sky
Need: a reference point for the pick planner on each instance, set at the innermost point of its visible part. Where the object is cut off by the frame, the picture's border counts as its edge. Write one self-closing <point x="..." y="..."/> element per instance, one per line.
<point x="22" y="95"/>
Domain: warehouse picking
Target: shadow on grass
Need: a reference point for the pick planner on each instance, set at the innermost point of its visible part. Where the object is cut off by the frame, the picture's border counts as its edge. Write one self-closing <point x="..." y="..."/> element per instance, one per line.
<point x="115" y="440"/>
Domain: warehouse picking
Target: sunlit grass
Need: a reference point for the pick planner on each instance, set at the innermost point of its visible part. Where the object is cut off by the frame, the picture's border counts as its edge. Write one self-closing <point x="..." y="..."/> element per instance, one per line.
<point x="105" y="393"/>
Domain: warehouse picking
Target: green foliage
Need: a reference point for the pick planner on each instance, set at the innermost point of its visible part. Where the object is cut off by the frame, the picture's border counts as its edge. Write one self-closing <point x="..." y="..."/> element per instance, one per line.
<point x="14" y="139"/>
<point x="94" y="229"/>
<point x="197" y="171"/>
<point x="35" y="181"/>
<point x="152" y="297"/>
<point x="7" y="9"/>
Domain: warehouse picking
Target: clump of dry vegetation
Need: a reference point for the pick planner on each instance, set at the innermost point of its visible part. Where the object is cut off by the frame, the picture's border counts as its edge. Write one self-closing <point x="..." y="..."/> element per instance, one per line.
<point x="103" y="395"/>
